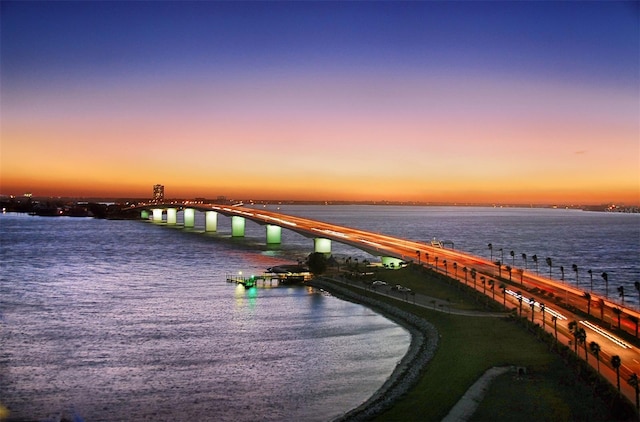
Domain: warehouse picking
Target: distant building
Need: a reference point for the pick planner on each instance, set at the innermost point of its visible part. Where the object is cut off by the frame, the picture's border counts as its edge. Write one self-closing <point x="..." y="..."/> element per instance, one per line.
<point x="158" y="193"/>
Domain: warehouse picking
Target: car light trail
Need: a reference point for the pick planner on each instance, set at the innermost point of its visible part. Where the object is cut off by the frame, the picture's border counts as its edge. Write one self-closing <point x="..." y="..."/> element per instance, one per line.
<point x="605" y="334"/>
<point x="548" y="310"/>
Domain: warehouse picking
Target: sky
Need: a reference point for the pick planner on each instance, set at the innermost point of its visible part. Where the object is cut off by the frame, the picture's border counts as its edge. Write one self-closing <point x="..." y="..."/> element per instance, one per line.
<point x="496" y="102"/>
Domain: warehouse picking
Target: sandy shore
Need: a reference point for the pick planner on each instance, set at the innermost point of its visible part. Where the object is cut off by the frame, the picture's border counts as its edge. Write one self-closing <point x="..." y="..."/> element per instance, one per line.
<point x="424" y="342"/>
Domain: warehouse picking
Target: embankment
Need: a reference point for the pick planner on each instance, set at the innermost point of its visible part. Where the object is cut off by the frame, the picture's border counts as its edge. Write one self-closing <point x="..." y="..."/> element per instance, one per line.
<point x="424" y="342"/>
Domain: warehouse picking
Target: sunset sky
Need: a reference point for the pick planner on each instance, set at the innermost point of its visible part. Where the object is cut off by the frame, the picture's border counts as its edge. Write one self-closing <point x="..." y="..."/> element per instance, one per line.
<point x="526" y="102"/>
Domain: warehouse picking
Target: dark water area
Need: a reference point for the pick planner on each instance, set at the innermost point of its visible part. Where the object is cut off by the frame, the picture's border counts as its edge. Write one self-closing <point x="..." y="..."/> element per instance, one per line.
<point x="124" y="320"/>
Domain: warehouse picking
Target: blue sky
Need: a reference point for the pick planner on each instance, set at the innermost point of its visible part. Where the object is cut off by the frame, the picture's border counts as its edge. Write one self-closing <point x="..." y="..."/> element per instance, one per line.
<point x="338" y="70"/>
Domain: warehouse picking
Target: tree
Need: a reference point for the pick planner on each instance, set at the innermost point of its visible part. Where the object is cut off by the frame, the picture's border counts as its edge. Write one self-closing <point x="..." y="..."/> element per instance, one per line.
<point x="532" y="303"/>
<point x="535" y="261"/>
<point x="513" y="258"/>
<point x="615" y="363"/>
<point x="575" y="268"/>
<point x="418" y="254"/>
<point x="519" y="296"/>
<point x="561" y="273"/>
<point x="455" y="269"/>
<point x="618" y="312"/>
<point x="524" y="258"/>
<point x="542" y="309"/>
<point x="510" y="271"/>
<point x="465" y="270"/>
<point x="555" y="326"/>
<point x="573" y="329"/>
<point x="550" y="264"/>
<point x="595" y="349"/>
<point x="473" y="277"/>
<point x="444" y="264"/>
<point x="491" y="286"/>
<point x="621" y="292"/>
<point x="601" y="304"/>
<point x="633" y="381"/>
<point x="582" y="339"/>
<point x="483" y="280"/>
<point x="504" y="294"/>
<point x="499" y="265"/>
<point x="591" y="279"/>
<point x="490" y="246"/>
<point x="635" y="320"/>
<point x="605" y="277"/>
<point x="587" y="296"/>
<point x="317" y="263"/>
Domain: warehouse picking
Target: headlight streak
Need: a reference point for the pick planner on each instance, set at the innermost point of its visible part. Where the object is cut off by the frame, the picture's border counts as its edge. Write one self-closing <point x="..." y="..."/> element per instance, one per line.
<point x="606" y="335"/>
<point x="548" y="310"/>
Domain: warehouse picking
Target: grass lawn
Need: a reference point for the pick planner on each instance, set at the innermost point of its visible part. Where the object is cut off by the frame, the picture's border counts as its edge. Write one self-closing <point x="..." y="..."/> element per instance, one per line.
<point x="469" y="346"/>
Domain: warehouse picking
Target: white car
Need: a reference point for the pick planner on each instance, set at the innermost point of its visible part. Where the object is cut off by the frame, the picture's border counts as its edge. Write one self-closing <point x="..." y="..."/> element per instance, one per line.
<point x="377" y="283"/>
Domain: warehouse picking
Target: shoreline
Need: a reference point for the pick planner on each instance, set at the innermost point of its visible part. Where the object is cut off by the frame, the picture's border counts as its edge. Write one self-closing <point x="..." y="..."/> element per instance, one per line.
<point x="423" y="345"/>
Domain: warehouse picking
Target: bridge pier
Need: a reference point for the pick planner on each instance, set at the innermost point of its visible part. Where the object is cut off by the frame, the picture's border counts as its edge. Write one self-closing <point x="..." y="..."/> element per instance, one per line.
<point x="274" y="234"/>
<point x="157" y="215"/>
<point x="210" y="221"/>
<point x="189" y="218"/>
<point x="237" y="226"/>
<point x="144" y="214"/>
<point x="391" y="262"/>
<point x="322" y="245"/>
<point x="172" y="214"/>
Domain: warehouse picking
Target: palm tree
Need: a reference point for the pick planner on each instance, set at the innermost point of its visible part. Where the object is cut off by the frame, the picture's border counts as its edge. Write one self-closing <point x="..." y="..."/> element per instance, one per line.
<point x="618" y="312"/>
<point x="635" y="320"/>
<point x="444" y="263"/>
<point x="605" y="277"/>
<point x="591" y="278"/>
<point x="555" y="326"/>
<point x="542" y="308"/>
<point x="633" y="381"/>
<point x="601" y="304"/>
<point x="550" y="264"/>
<point x="426" y="257"/>
<point x="436" y="258"/>
<point x="499" y="265"/>
<point x="484" y="284"/>
<point x="519" y="295"/>
<point x="473" y="277"/>
<point x="616" y="362"/>
<point x="490" y="246"/>
<point x="573" y="329"/>
<point x="501" y="254"/>
<point x="621" y="292"/>
<point x="521" y="272"/>
<point x="509" y="270"/>
<point x="535" y="261"/>
<point x="582" y="339"/>
<point x="587" y="296"/>
<point x="491" y="286"/>
<point x="524" y="258"/>
<point x="504" y="294"/>
<point x="595" y="349"/>
<point x="562" y="273"/>
<point x="418" y="253"/>
<point x="455" y="269"/>
<point x="575" y="268"/>
<point x="532" y="303"/>
<point x="465" y="270"/>
<point x="513" y="258"/>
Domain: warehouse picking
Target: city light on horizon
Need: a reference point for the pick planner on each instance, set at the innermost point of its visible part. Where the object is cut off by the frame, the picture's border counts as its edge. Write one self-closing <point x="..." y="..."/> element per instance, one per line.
<point x="427" y="102"/>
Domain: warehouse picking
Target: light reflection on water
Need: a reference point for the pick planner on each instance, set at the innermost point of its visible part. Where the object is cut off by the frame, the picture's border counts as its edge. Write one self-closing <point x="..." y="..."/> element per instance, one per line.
<point x="122" y="320"/>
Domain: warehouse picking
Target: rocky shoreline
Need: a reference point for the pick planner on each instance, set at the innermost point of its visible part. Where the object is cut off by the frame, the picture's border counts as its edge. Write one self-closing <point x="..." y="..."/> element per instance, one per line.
<point x="424" y="343"/>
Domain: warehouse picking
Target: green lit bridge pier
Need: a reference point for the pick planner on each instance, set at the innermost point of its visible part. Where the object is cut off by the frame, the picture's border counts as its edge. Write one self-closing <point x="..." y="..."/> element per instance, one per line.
<point x="322" y="233"/>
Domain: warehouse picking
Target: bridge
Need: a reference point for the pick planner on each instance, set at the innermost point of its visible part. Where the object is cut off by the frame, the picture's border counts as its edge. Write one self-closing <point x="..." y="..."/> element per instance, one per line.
<point x="564" y="303"/>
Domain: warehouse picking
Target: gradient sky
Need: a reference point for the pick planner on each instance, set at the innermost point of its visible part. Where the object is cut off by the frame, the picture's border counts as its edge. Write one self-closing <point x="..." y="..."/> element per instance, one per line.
<point x="526" y="102"/>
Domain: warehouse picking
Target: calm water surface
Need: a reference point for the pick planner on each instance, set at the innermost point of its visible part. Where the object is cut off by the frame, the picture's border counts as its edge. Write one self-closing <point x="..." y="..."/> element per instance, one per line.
<point x="124" y="320"/>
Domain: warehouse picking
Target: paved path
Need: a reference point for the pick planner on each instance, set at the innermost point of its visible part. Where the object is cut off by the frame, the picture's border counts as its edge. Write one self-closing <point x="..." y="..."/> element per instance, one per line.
<point x="467" y="405"/>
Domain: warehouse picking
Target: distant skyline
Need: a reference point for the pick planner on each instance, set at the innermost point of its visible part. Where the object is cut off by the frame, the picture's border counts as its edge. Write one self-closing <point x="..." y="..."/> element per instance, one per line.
<point x="483" y="102"/>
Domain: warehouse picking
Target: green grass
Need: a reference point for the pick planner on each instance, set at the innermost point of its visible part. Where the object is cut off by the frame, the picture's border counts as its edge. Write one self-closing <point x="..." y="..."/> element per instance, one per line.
<point x="469" y="346"/>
